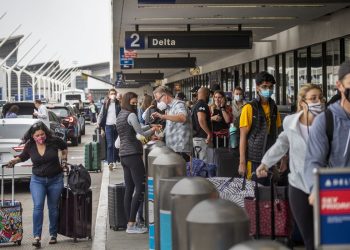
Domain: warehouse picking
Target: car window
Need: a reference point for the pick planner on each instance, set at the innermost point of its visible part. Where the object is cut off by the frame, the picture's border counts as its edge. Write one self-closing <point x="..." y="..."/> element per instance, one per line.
<point x="61" y="112"/>
<point x="13" y="131"/>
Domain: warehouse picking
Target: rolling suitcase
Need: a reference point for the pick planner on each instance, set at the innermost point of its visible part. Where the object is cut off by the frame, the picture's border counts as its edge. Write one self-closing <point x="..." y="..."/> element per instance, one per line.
<point x="225" y="159"/>
<point x="116" y="213"/>
<point x="11" y="226"/>
<point x="92" y="156"/>
<point x="98" y="137"/>
<point x="75" y="214"/>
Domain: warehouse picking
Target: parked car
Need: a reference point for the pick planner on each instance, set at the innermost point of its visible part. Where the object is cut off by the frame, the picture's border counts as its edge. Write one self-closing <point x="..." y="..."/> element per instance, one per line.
<point x="11" y="134"/>
<point x="26" y="110"/>
<point x="69" y="119"/>
<point x="81" y="119"/>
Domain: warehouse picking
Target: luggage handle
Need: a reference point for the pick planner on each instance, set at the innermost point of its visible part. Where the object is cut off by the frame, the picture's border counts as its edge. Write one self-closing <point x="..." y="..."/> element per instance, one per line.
<point x="12" y="187"/>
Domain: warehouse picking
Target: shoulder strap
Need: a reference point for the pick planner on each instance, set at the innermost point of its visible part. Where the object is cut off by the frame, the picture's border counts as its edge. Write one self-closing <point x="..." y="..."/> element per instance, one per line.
<point x="329" y="129"/>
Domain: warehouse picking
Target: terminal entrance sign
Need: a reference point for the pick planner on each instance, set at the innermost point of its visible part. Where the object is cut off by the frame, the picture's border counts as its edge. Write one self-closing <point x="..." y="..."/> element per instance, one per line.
<point x="332" y="208"/>
<point x="188" y="40"/>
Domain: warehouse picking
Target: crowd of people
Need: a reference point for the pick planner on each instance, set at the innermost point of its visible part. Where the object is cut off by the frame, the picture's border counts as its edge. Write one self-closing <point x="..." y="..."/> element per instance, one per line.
<point x="189" y="129"/>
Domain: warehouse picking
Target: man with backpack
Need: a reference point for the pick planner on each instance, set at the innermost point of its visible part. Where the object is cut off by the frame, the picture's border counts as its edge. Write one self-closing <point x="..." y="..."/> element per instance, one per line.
<point x="259" y="124"/>
<point x="329" y="137"/>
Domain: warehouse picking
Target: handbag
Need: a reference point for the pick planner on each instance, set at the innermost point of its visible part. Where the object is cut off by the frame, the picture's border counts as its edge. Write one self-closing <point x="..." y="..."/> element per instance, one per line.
<point x="273" y="217"/>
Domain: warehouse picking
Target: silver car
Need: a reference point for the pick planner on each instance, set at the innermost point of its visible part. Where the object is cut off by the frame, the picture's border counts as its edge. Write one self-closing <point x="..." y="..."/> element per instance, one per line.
<point x="11" y="132"/>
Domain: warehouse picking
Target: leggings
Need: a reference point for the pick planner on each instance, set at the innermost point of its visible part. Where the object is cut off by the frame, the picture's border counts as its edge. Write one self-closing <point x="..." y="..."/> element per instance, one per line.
<point x="303" y="215"/>
<point x="134" y="177"/>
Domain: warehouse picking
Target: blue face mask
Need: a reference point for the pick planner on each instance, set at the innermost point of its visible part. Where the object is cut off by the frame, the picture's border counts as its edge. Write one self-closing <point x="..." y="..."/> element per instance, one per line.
<point x="267" y="93"/>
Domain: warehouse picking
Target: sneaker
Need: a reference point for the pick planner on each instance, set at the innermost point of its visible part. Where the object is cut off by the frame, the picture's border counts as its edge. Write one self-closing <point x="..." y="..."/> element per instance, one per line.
<point x="136" y="230"/>
<point x="111" y="165"/>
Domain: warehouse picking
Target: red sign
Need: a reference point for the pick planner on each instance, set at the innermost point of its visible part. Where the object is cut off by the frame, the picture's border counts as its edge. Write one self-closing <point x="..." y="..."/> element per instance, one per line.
<point x="130" y="53"/>
<point x="334" y="202"/>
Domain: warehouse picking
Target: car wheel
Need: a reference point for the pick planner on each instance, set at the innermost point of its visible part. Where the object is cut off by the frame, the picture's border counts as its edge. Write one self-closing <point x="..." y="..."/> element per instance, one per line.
<point x="74" y="141"/>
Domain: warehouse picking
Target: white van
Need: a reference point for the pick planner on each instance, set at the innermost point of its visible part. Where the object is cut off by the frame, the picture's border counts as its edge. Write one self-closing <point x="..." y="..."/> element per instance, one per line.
<point x="72" y="96"/>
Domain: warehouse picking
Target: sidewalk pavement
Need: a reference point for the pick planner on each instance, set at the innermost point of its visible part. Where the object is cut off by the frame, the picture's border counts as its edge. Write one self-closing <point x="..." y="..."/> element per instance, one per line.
<point x="116" y="239"/>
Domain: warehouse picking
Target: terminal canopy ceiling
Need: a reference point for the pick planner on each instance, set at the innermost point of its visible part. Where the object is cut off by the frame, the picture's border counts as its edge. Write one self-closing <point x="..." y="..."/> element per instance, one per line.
<point x="263" y="18"/>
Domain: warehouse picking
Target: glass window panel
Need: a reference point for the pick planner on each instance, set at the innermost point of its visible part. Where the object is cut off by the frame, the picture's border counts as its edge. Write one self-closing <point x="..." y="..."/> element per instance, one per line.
<point x="290" y="77"/>
<point x="261" y="65"/>
<point x="280" y="71"/>
<point x="253" y="79"/>
<point x="302" y="71"/>
<point x="347" y="48"/>
<point x="246" y="67"/>
<point x="271" y="68"/>
<point x="316" y="65"/>
<point x="333" y="62"/>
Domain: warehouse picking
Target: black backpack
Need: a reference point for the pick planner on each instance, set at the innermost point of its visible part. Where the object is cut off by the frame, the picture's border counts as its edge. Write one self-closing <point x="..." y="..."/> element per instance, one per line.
<point x="79" y="180"/>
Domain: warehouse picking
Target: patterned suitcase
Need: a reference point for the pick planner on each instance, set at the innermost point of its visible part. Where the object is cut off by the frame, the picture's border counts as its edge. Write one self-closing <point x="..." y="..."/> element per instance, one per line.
<point x="116" y="213"/>
<point x="11" y="226"/>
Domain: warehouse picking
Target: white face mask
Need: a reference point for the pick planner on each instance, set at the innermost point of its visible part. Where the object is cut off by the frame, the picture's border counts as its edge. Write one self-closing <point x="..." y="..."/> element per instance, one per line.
<point x="112" y="97"/>
<point x="238" y="98"/>
<point x="315" y="108"/>
<point x="161" y="106"/>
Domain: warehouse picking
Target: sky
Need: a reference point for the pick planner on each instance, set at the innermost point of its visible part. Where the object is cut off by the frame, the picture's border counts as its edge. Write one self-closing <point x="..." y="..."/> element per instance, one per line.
<point x="79" y="31"/>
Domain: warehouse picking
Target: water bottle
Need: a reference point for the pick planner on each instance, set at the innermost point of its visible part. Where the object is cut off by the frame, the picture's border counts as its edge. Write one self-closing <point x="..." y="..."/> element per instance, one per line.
<point x="233" y="136"/>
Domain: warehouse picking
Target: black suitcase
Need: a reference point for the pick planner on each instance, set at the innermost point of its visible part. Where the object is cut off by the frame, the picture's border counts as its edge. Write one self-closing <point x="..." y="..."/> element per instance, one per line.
<point x="116" y="212"/>
<point x="226" y="160"/>
<point x="75" y="214"/>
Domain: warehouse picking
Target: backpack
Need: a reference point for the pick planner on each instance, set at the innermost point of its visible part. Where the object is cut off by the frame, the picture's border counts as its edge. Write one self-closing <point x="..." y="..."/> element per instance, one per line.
<point x="79" y="180"/>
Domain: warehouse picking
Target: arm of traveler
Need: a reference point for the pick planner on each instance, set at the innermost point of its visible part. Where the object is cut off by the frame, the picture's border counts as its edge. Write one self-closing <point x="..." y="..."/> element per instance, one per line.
<point x="133" y="121"/>
<point x="245" y="125"/>
<point x="317" y="149"/>
<point x="277" y="151"/>
<point x="203" y="123"/>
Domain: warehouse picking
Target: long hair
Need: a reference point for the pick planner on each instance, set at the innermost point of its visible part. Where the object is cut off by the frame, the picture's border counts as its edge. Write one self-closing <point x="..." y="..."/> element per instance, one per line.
<point x="147" y="101"/>
<point x="303" y="91"/>
<point x="213" y="106"/>
<point x="28" y="136"/>
<point x="126" y="101"/>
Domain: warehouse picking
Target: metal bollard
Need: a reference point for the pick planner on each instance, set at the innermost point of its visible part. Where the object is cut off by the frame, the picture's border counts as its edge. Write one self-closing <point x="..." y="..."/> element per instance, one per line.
<point x="259" y="245"/>
<point x="216" y="224"/>
<point x="164" y="166"/>
<point x="165" y="186"/>
<point x="184" y="196"/>
<point x="146" y="149"/>
<point x="150" y="181"/>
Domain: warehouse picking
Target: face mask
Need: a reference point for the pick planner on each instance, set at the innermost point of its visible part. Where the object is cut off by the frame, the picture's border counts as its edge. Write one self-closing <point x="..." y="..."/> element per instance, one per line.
<point x="347" y="93"/>
<point x="112" y="97"/>
<point x="134" y="106"/>
<point x="161" y="106"/>
<point x="267" y="93"/>
<point x="40" y="139"/>
<point x="315" y="108"/>
<point x="238" y="98"/>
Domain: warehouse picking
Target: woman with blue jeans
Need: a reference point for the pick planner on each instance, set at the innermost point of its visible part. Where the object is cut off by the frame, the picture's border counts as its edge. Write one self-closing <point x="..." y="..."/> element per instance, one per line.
<point x="47" y="179"/>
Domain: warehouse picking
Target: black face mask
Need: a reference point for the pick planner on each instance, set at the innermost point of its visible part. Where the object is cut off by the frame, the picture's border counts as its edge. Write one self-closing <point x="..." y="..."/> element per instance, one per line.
<point x="347" y="94"/>
<point x="134" y="107"/>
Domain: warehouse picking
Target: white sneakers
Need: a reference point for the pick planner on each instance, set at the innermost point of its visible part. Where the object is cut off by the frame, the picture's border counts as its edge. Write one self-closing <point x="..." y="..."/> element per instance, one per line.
<point x="136" y="230"/>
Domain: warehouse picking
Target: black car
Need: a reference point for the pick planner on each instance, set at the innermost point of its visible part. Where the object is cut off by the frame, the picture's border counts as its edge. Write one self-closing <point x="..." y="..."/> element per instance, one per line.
<point x="26" y="110"/>
<point x="70" y="120"/>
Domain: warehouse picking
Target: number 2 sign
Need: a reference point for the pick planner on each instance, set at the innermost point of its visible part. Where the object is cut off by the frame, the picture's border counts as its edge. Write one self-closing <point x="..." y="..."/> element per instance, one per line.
<point x="134" y="40"/>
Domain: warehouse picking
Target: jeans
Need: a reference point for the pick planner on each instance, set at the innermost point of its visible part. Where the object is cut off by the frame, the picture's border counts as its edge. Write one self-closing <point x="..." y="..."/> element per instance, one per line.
<point x="52" y="188"/>
<point x="111" y="137"/>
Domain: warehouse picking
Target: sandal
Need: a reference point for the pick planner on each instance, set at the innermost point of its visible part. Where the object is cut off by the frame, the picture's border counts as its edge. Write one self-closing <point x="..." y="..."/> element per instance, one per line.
<point x="36" y="243"/>
<point x="53" y="240"/>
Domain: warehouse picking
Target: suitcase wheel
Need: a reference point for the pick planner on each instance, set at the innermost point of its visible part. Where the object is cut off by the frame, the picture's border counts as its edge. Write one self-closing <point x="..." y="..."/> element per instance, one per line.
<point x="75" y="240"/>
<point x="19" y="242"/>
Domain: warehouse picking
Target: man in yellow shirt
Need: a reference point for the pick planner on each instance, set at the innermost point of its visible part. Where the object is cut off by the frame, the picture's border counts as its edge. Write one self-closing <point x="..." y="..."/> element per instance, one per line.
<point x="259" y="123"/>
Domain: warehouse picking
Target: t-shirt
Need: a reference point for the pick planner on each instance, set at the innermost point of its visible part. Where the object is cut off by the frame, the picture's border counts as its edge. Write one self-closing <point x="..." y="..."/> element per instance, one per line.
<point x="200" y="106"/>
<point x="304" y="131"/>
<point x="220" y="125"/>
<point x="247" y="116"/>
<point x="47" y="165"/>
